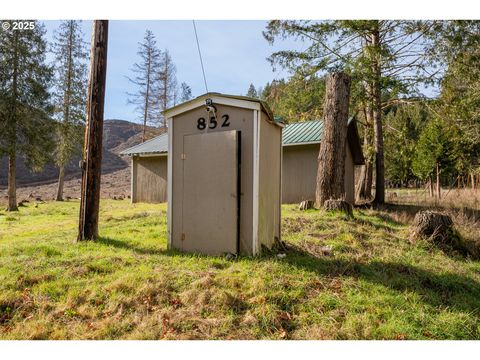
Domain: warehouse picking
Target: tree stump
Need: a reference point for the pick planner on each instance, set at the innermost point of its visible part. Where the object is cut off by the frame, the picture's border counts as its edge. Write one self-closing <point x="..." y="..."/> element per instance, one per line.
<point x="338" y="205"/>
<point x="433" y="226"/>
<point x="305" y="205"/>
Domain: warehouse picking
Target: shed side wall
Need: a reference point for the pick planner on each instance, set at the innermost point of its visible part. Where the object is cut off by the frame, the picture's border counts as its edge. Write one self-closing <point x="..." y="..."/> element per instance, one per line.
<point x="149" y="182"/>
<point x="269" y="186"/>
<point x="299" y="174"/>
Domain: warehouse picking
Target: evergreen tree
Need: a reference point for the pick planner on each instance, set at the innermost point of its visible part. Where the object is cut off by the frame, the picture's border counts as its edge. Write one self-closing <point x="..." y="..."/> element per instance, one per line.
<point x="458" y="44"/>
<point x="298" y="99"/>
<point x="252" y="92"/>
<point x="186" y="92"/>
<point x="24" y="108"/>
<point x="435" y="152"/>
<point x="167" y="76"/>
<point x="147" y="96"/>
<point x="403" y="125"/>
<point x="70" y="93"/>
<point x="382" y="56"/>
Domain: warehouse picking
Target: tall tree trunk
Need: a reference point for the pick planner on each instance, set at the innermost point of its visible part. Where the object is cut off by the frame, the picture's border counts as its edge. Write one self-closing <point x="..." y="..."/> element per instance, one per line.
<point x="364" y="189"/>
<point x="92" y="159"/>
<point x="439" y="185"/>
<point x="364" y="186"/>
<point x="12" y="185"/>
<point x="12" y="136"/>
<point x="146" y="104"/>
<point x="331" y="158"/>
<point x="360" y="189"/>
<point x="369" y="181"/>
<point x="430" y="186"/>
<point x="66" y="115"/>
<point x="472" y="176"/>
<point x="61" y="179"/>
<point x="369" y="164"/>
<point x="377" y="119"/>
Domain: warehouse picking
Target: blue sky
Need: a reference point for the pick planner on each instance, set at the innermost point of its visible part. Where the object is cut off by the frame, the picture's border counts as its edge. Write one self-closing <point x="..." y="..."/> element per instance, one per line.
<point x="234" y="55"/>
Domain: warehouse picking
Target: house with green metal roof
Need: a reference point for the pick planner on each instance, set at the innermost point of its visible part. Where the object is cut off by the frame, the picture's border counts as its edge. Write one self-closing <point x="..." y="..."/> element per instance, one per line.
<point x="301" y="145"/>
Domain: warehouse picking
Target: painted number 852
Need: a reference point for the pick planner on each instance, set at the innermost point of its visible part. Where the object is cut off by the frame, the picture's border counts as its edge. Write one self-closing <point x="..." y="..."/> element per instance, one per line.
<point x="213" y="123"/>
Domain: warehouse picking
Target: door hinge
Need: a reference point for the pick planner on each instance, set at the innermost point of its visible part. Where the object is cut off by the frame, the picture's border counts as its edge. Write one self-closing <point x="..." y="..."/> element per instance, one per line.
<point x="183" y="157"/>
<point x="183" y="236"/>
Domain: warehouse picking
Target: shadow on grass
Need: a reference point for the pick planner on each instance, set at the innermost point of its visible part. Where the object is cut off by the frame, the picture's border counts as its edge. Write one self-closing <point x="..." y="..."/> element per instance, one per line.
<point x="390" y="226"/>
<point x="412" y="209"/>
<point x="440" y="290"/>
<point x="132" y="247"/>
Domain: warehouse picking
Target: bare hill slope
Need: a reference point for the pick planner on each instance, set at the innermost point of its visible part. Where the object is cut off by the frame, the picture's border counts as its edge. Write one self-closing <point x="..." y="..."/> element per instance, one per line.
<point x="117" y="136"/>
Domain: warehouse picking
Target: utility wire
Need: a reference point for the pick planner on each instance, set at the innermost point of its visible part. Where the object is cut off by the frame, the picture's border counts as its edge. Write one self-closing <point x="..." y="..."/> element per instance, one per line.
<point x="200" y="55"/>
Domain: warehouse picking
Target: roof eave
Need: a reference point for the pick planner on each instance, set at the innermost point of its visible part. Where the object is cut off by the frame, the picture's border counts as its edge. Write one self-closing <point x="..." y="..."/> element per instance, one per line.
<point x="302" y="143"/>
<point x="223" y="99"/>
<point x="146" y="154"/>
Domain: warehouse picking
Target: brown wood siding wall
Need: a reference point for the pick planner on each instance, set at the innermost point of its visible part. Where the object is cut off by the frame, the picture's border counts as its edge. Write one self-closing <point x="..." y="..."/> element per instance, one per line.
<point x="149" y="179"/>
<point x="299" y="172"/>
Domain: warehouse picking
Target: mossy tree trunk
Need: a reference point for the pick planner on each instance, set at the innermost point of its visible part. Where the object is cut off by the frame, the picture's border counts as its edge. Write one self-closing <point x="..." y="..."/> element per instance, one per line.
<point x="377" y="117"/>
<point x="331" y="158"/>
<point x="364" y="187"/>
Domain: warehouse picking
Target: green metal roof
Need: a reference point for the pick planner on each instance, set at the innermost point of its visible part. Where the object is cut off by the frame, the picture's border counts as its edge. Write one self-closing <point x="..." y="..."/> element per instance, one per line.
<point x="157" y="145"/>
<point x="299" y="133"/>
<point x="302" y="132"/>
<point x="311" y="132"/>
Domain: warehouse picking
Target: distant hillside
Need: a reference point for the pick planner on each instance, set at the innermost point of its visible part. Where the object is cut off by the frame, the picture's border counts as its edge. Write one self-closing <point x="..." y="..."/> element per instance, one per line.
<point x="117" y="136"/>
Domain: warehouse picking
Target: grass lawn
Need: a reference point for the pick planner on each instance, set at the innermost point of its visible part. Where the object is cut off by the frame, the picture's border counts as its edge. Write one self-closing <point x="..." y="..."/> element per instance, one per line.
<point x="127" y="285"/>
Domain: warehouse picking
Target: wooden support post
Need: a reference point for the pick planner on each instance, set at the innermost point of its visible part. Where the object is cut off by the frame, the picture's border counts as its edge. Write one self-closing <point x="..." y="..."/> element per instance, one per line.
<point x="92" y="154"/>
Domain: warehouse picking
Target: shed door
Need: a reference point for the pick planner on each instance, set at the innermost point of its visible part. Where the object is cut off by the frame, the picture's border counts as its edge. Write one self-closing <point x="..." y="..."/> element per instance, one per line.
<point x="210" y="193"/>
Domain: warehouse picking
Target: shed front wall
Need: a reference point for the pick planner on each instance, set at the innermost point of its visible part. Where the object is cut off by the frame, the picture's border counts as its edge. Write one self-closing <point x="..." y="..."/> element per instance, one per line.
<point x="149" y="179"/>
<point x="186" y="124"/>
<point x="299" y="173"/>
<point x="269" y="182"/>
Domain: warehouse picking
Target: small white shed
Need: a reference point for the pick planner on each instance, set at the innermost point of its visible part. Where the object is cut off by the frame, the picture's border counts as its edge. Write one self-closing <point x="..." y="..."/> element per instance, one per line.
<point x="224" y="175"/>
